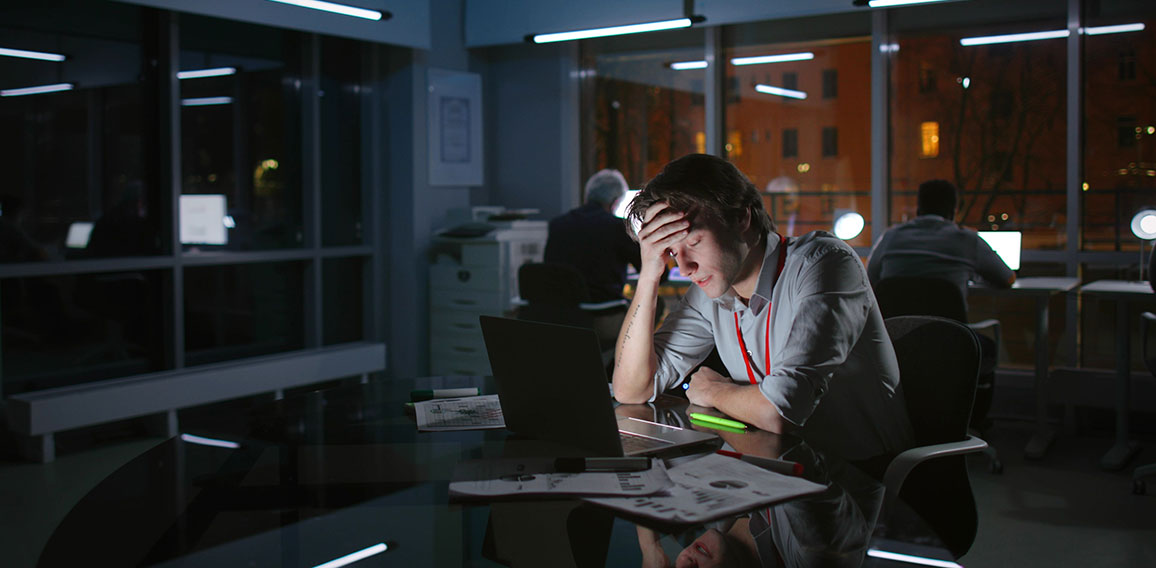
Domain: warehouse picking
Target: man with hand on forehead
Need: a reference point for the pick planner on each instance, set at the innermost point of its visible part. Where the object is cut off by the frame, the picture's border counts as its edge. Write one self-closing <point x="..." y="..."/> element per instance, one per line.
<point x="794" y="320"/>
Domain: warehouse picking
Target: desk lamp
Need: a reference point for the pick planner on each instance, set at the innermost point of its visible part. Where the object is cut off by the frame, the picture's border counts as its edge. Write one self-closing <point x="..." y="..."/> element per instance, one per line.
<point x="1144" y="227"/>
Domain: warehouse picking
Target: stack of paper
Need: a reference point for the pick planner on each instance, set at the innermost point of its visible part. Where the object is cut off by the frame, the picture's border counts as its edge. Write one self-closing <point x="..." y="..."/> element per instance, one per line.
<point x="467" y="413"/>
<point x="536" y="476"/>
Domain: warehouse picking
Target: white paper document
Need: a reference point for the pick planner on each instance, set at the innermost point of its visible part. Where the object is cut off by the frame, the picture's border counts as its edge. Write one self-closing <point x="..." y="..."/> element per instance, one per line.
<point x="466" y="413"/>
<point x="713" y="487"/>
<point x="535" y="476"/>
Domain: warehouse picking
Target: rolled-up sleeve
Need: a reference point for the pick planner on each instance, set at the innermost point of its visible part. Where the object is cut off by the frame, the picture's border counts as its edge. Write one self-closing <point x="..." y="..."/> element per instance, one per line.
<point x="831" y="301"/>
<point x="684" y="340"/>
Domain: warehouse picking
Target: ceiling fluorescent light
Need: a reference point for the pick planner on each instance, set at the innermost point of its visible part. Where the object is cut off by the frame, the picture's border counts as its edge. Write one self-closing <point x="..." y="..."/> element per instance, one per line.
<point x="684" y="65"/>
<point x="756" y="60"/>
<point x="209" y="442"/>
<point x="41" y="55"/>
<point x="36" y="90"/>
<point x="1101" y="30"/>
<point x="614" y="30"/>
<point x="890" y="3"/>
<point x="206" y="101"/>
<point x="1010" y="38"/>
<point x="354" y="557"/>
<point x="202" y="73"/>
<point x="781" y="92"/>
<point x="911" y="559"/>
<point x="335" y="8"/>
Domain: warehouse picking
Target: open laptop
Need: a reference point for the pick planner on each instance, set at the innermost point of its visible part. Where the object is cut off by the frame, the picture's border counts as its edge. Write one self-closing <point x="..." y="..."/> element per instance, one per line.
<point x="1006" y="244"/>
<point x="553" y="387"/>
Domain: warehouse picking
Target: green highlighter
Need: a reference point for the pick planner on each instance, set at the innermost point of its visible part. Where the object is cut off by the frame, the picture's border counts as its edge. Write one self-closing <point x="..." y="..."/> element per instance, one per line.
<point x="718" y="421"/>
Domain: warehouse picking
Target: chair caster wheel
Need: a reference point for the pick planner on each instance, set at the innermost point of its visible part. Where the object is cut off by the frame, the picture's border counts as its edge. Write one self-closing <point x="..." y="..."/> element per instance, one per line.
<point x="1138" y="487"/>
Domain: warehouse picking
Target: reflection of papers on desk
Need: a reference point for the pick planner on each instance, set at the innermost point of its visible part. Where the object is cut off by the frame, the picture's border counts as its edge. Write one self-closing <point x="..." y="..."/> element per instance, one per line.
<point x="713" y="487"/>
<point x="536" y="476"/>
<point x="470" y="413"/>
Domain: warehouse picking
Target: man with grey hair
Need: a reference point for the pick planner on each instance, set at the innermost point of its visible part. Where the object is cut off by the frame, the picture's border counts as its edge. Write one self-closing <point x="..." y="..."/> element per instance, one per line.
<point x="593" y="240"/>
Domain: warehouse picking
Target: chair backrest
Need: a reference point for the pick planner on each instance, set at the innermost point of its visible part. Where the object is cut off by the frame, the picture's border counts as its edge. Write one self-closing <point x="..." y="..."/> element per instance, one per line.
<point x="920" y="296"/>
<point x="938" y="367"/>
<point x="1148" y="339"/>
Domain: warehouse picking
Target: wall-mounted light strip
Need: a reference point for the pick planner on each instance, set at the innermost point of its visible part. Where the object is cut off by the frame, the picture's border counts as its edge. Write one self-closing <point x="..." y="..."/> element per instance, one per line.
<point x="760" y="59"/>
<point x="202" y="73"/>
<point x="206" y="101"/>
<point x="781" y="92"/>
<point x="200" y="440"/>
<point x="685" y="65"/>
<point x="1122" y="28"/>
<point x="24" y="54"/>
<point x="36" y="90"/>
<point x="354" y="557"/>
<point x="1051" y="34"/>
<point x="613" y="31"/>
<point x="890" y="3"/>
<point x="876" y="553"/>
<point x="336" y="8"/>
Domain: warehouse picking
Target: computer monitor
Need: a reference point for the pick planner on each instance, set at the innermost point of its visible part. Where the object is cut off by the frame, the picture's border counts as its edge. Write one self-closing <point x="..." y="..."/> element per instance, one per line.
<point x="78" y="235"/>
<point x="1006" y="244"/>
<point x="203" y="220"/>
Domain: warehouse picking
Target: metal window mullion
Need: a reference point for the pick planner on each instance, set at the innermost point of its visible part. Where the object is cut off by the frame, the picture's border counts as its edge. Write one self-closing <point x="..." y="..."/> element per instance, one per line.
<point x="373" y="327"/>
<point x="713" y="99"/>
<point x="169" y="116"/>
<point x="880" y="125"/>
<point x="1075" y="122"/>
<point x="311" y="185"/>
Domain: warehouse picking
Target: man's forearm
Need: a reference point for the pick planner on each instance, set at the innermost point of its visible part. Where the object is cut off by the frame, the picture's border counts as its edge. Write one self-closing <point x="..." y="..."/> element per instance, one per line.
<point x="635" y="363"/>
<point x="745" y="403"/>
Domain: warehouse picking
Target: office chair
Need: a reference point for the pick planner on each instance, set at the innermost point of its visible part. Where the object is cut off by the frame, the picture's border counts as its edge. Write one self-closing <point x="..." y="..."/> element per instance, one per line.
<point x="905" y="296"/>
<point x="1147" y="338"/>
<point x="938" y="366"/>
<point x="557" y="293"/>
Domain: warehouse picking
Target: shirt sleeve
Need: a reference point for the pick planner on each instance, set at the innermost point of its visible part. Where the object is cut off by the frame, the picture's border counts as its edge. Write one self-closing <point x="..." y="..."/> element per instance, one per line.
<point x="832" y="302"/>
<point x="684" y="340"/>
<point x="988" y="264"/>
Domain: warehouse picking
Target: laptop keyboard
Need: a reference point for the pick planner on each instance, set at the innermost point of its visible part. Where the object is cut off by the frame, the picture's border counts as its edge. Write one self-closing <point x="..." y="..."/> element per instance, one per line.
<point x="634" y="443"/>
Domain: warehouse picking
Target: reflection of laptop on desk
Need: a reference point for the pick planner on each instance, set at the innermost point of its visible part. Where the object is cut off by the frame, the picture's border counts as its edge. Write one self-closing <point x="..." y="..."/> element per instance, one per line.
<point x="1006" y="244"/>
<point x="552" y="386"/>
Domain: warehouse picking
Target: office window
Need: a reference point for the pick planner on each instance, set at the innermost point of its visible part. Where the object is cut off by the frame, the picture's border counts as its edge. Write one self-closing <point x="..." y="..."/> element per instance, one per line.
<point x="639" y="109"/>
<point x="790" y="143"/>
<point x="82" y="157"/>
<point x="1127" y="65"/>
<point x="1119" y="138"/>
<point x="830" y="142"/>
<point x="830" y="83"/>
<point x="929" y="139"/>
<point x="241" y="132"/>
<point x="803" y="175"/>
<point x="341" y="120"/>
<point x="999" y="110"/>
<point x="343" y="282"/>
<point x="791" y="81"/>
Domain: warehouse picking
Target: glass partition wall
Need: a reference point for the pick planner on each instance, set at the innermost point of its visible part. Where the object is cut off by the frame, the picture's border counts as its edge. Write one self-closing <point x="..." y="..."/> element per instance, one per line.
<point x="178" y="190"/>
<point x="804" y="103"/>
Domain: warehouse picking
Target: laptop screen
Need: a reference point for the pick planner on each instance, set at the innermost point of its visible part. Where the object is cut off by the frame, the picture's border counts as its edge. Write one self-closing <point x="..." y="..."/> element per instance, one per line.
<point x="1006" y="244"/>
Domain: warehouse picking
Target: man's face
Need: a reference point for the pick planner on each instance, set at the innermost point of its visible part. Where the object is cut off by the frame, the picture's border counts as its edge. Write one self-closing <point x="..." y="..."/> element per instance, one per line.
<point x="710" y="256"/>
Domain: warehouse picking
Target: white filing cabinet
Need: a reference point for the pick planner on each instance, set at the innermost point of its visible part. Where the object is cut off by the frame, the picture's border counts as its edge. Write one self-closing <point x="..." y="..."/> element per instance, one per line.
<point x="472" y="277"/>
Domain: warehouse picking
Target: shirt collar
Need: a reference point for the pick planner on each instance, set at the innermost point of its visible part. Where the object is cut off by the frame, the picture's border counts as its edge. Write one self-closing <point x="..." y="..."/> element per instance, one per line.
<point x="763" y="286"/>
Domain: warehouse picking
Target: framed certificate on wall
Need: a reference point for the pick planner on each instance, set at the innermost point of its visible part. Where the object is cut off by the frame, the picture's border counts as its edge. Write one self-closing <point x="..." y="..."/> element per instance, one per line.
<point x="455" y="128"/>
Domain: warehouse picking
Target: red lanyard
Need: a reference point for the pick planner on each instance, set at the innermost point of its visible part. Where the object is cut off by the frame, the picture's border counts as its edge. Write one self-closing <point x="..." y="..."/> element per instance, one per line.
<point x="767" y="335"/>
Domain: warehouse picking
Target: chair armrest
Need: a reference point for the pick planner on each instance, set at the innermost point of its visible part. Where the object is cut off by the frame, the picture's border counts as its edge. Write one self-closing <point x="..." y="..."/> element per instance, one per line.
<point x="599" y="306"/>
<point x="906" y="461"/>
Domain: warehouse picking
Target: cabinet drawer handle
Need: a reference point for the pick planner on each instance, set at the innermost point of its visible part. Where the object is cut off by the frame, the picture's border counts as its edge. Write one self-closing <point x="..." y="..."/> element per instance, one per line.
<point x="465" y="349"/>
<point x="462" y="302"/>
<point x="464" y="325"/>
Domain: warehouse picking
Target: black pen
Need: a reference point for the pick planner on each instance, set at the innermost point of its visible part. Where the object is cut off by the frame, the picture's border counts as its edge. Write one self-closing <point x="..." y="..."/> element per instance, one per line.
<point x="593" y="465"/>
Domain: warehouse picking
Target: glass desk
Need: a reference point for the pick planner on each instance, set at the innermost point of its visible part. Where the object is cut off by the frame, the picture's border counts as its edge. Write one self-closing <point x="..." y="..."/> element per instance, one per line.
<point x="320" y="475"/>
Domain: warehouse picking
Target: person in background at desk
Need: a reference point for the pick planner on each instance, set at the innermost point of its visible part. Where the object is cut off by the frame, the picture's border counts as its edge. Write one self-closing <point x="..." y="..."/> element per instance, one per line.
<point x="794" y="320"/>
<point x="932" y="245"/>
<point x="593" y="240"/>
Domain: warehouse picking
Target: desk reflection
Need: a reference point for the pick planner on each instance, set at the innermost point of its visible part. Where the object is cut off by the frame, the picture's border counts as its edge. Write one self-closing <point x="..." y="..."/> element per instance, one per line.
<point x="322" y="474"/>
